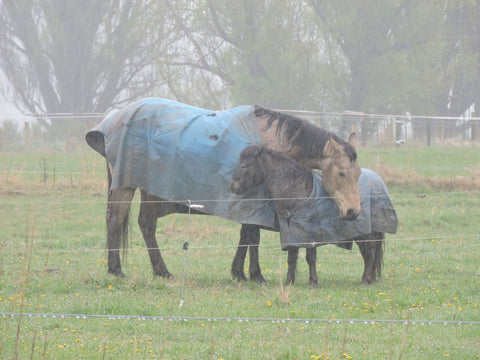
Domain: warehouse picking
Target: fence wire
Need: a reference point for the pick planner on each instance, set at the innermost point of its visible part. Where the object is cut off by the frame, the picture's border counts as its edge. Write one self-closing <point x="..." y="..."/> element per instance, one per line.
<point x="239" y="319"/>
<point x="370" y="128"/>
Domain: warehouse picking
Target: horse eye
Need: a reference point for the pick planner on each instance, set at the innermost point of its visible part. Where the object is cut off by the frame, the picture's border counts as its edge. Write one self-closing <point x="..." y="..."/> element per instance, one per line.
<point x="341" y="174"/>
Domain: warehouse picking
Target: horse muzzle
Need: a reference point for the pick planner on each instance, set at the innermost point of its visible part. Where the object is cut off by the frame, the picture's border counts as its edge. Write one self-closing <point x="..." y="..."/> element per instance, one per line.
<point x="235" y="187"/>
<point x="351" y="214"/>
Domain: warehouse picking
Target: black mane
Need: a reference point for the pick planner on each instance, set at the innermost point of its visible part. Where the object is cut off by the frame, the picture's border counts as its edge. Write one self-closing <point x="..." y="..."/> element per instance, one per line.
<point x="300" y="133"/>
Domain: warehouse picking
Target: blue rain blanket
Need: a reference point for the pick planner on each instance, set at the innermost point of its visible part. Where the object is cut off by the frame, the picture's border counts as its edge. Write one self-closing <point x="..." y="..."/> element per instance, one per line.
<point x="316" y="220"/>
<point x="184" y="154"/>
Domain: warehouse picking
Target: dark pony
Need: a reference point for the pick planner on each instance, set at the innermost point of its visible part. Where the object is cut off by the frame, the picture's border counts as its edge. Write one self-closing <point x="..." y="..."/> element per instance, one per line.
<point x="310" y="145"/>
<point x="315" y="148"/>
<point x="287" y="183"/>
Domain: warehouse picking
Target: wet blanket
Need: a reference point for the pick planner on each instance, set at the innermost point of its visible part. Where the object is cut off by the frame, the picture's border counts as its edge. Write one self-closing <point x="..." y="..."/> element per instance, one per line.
<point x="183" y="154"/>
<point x="316" y="220"/>
<point x="186" y="154"/>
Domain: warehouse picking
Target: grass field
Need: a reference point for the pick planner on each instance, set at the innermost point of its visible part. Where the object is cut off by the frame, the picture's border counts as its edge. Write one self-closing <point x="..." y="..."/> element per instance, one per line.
<point x="52" y="262"/>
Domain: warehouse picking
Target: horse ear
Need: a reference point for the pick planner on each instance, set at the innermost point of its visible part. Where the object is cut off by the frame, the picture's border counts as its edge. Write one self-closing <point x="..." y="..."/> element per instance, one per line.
<point x="331" y="148"/>
<point x="352" y="139"/>
<point x="256" y="150"/>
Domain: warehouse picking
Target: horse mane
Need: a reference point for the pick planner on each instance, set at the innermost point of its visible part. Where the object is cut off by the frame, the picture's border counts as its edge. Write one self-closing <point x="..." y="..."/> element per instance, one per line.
<point x="302" y="134"/>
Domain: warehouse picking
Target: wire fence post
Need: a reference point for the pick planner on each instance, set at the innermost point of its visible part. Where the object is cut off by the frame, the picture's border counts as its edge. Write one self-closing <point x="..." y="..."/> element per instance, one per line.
<point x="185" y="248"/>
<point x="473" y="128"/>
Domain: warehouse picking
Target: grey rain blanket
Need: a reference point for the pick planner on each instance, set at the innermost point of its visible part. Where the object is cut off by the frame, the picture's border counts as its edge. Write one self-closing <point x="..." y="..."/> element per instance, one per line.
<point x="183" y="153"/>
<point x="316" y="220"/>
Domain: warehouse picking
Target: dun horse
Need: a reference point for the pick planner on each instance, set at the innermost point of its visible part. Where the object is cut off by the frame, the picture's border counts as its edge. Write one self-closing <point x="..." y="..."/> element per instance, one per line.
<point x="310" y="145"/>
<point x="288" y="183"/>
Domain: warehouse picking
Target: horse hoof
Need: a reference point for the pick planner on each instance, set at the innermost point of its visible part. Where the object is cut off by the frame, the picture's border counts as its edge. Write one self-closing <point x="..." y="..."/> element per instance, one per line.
<point x="366" y="282"/>
<point x="166" y="275"/>
<point x="239" y="276"/>
<point x="259" y="279"/>
<point x="117" y="273"/>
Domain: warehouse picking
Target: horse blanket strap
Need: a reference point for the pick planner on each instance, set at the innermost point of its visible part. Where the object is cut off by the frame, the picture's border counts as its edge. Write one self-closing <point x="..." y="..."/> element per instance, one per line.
<point x="178" y="152"/>
<point x="316" y="220"/>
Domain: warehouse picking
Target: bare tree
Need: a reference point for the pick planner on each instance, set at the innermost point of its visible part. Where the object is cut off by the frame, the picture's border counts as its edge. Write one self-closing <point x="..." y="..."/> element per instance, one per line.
<point x="267" y="52"/>
<point x="79" y="56"/>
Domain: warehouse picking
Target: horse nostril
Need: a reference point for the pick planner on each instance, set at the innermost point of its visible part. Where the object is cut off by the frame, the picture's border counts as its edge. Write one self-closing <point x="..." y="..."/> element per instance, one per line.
<point x="351" y="214"/>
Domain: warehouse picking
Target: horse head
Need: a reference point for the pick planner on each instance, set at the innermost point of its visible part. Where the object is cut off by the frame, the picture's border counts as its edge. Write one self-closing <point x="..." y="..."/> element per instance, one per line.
<point x="249" y="173"/>
<point x="340" y="174"/>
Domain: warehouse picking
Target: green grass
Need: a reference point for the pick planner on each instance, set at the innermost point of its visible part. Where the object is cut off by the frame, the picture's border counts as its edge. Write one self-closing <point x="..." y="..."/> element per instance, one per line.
<point x="52" y="261"/>
<point x="443" y="161"/>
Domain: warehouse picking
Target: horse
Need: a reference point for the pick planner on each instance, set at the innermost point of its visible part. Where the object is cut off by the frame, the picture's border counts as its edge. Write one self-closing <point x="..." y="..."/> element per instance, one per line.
<point x="289" y="184"/>
<point x="311" y="145"/>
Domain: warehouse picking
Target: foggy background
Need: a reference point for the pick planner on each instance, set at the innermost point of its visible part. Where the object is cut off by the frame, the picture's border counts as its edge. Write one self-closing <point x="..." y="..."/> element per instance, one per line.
<point x="394" y="71"/>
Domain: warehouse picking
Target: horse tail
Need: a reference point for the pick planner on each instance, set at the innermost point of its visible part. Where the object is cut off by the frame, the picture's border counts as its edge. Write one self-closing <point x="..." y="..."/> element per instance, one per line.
<point x="379" y="246"/>
<point x="124" y="227"/>
<point x="109" y="174"/>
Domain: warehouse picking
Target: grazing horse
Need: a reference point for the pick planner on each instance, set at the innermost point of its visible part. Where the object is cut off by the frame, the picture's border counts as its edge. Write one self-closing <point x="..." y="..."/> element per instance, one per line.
<point x="308" y="217"/>
<point x="134" y="139"/>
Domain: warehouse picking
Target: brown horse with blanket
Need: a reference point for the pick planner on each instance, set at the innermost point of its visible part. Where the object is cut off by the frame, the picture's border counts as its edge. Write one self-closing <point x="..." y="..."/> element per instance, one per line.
<point x="178" y="154"/>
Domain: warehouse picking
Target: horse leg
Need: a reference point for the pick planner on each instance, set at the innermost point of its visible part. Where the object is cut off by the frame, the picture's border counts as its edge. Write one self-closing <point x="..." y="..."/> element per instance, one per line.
<point x="371" y="248"/>
<point x="238" y="263"/>
<point x="379" y="244"/>
<point x="292" y="264"/>
<point x="249" y="237"/>
<point x="253" y="239"/>
<point x="117" y="227"/>
<point x="368" y="253"/>
<point x="312" y="265"/>
<point x="150" y="211"/>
